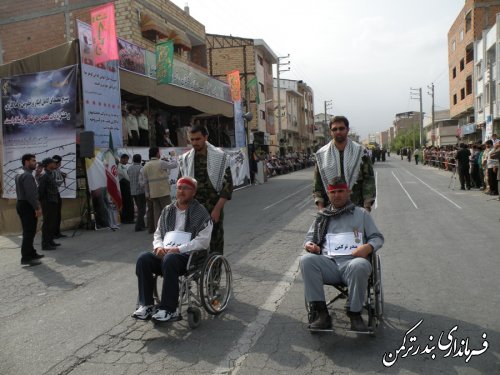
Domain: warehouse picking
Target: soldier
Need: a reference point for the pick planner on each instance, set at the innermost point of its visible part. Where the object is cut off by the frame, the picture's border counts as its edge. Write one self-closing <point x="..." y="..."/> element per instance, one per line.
<point x="343" y="157"/>
<point x="209" y="165"/>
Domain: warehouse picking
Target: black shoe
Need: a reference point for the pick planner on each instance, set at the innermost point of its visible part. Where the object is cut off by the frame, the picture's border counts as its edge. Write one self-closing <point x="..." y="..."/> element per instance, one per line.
<point x="30" y="262"/>
<point x="60" y="235"/>
<point x="37" y="256"/>
<point x="357" y="323"/>
<point x="48" y="247"/>
<point x="54" y="244"/>
<point x="323" y="319"/>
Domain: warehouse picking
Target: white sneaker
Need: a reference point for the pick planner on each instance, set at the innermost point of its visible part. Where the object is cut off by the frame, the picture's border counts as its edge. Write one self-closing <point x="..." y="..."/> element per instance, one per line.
<point x="143" y="312"/>
<point x="166" y="316"/>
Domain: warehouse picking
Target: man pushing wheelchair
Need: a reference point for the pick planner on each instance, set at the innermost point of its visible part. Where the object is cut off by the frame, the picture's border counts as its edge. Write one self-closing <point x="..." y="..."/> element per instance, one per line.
<point x="338" y="246"/>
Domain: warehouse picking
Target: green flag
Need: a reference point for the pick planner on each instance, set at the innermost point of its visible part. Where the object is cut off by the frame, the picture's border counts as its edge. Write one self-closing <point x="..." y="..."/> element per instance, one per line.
<point x="254" y="83"/>
<point x="164" y="61"/>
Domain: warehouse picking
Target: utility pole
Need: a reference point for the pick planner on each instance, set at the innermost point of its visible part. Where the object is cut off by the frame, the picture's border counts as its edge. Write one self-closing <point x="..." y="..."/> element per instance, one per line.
<point x="417" y="94"/>
<point x="431" y="93"/>
<point x="328" y="105"/>
<point x="278" y="71"/>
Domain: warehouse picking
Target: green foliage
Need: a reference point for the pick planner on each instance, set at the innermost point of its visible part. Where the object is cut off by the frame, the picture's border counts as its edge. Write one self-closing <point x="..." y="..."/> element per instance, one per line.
<point x="406" y="138"/>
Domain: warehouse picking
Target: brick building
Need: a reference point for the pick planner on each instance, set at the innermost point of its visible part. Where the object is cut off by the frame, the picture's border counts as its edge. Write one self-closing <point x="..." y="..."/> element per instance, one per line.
<point x="31" y="27"/>
<point x="254" y="59"/>
<point x="475" y="16"/>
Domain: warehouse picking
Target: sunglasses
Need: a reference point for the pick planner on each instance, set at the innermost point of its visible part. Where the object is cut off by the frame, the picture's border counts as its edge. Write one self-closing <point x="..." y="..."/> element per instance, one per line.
<point x="341" y="129"/>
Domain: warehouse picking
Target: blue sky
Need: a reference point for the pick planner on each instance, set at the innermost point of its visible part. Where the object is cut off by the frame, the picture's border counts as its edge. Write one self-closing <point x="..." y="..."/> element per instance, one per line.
<point x="364" y="55"/>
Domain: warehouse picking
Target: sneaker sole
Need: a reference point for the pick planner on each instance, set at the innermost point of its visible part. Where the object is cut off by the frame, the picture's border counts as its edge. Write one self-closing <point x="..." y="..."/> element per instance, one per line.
<point x="176" y="319"/>
<point x="140" y="317"/>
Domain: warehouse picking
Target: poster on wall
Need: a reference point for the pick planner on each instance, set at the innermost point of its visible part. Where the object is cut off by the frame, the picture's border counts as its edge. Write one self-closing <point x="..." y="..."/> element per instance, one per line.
<point x="240" y="170"/>
<point x="38" y="116"/>
<point x="101" y="93"/>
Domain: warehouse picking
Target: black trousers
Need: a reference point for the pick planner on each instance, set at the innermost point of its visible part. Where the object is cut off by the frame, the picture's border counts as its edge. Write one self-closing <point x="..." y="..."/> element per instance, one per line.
<point x="464" y="176"/>
<point x="143" y="137"/>
<point x="127" y="213"/>
<point x="492" y="181"/>
<point x="49" y="225"/>
<point x="29" y="222"/>
<point x="58" y="220"/>
<point x="140" y="203"/>
<point x="170" y="267"/>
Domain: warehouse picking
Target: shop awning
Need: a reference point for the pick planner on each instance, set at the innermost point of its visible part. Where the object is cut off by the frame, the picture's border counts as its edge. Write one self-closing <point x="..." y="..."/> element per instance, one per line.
<point x="173" y="95"/>
<point x="154" y="30"/>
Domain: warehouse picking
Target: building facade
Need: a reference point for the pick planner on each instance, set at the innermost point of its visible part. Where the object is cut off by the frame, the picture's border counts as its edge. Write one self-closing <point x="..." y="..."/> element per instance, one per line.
<point x="445" y="131"/>
<point x="468" y="27"/>
<point x="254" y="59"/>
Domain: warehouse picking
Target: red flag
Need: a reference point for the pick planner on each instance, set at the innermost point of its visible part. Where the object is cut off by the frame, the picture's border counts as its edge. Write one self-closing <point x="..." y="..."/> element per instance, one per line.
<point x="104" y="41"/>
<point x="233" y="79"/>
<point x="112" y="183"/>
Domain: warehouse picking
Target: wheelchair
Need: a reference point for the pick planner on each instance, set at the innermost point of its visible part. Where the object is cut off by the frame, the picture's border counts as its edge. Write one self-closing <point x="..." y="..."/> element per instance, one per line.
<point x="374" y="300"/>
<point x="206" y="284"/>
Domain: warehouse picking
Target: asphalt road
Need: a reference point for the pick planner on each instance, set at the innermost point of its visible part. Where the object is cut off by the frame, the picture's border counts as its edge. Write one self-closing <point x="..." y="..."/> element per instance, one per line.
<point x="440" y="261"/>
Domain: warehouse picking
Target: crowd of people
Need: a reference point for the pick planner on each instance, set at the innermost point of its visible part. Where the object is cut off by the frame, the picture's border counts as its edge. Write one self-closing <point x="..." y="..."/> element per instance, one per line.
<point x="477" y="164"/>
<point x="291" y="162"/>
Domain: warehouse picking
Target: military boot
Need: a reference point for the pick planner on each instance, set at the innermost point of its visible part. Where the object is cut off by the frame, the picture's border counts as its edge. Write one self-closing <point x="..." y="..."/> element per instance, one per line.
<point x="323" y="320"/>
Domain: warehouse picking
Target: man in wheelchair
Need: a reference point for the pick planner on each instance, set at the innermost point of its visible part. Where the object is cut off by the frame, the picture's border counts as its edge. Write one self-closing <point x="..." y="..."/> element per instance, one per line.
<point x="184" y="226"/>
<point x="338" y="244"/>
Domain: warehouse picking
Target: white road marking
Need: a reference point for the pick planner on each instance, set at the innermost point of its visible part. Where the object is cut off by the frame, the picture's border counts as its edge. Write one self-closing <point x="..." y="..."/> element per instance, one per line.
<point x="288" y="196"/>
<point x="402" y="187"/>
<point x="434" y="190"/>
<point x="240" y="351"/>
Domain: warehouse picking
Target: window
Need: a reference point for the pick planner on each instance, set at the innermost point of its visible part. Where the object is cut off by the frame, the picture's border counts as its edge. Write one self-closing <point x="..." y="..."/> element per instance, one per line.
<point x="453" y="45"/>
<point x="468" y="21"/>
<point x="454" y="98"/>
<point x="261" y="87"/>
<point x="469" y="53"/>
<point x="454" y="72"/>
<point x="262" y="115"/>
<point x="479" y="103"/>
<point x="479" y="72"/>
<point x="462" y="93"/>
<point x="261" y="60"/>
<point x="462" y="64"/>
<point x="461" y="35"/>
<point x="468" y="85"/>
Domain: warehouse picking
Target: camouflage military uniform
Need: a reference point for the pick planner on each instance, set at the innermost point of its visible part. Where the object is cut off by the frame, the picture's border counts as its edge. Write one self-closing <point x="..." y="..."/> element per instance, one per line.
<point x="363" y="190"/>
<point x="208" y="197"/>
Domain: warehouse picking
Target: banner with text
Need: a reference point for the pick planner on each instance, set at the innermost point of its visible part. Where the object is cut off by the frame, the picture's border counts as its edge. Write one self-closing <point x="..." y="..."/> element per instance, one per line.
<point x="164" y="61"/>
<point x="38" y="113"/>
<point x="104" y="33"/>
<point x="101" y="93"/>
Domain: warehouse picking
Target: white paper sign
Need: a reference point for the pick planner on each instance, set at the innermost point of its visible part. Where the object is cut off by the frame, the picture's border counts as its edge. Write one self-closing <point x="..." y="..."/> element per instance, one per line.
<point x="342" y="243"/>
<point x="176" y="238"/>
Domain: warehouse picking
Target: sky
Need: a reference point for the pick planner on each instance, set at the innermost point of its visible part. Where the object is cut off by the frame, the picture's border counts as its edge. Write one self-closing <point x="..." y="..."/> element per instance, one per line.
<point x="363" y="55"/>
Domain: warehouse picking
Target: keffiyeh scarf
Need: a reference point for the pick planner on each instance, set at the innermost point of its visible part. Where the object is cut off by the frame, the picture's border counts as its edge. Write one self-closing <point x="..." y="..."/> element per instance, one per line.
<point x="217" y="162"/>
<point x="328" y="159"/>
<point x="323" y="218"/>
<point x="197" y="218"/>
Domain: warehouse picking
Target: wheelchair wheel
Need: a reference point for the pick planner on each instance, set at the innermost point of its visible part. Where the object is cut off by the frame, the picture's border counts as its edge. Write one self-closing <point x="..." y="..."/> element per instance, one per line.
<point x="216" y="284"/>
<point x="194" y="317"/>
<point x="378" y="290"/>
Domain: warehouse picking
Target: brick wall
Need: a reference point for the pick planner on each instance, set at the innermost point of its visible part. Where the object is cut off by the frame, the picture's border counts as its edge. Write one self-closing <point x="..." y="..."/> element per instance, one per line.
<point x="482" y="17"/>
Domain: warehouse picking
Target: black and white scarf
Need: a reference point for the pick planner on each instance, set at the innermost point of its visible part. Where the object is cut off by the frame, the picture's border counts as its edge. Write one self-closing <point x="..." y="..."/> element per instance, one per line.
<point x="217" y="162"/>
<point x="328" y="159"/>
<point x="323" y="218"/>
<point x="197" y="219"/>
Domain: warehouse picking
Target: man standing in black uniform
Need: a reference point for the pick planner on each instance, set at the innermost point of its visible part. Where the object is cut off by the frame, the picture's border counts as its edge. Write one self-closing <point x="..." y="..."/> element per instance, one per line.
<point x="463" y="166"/>
<point x="28" y="208"/>
<point x="48" y="193"/>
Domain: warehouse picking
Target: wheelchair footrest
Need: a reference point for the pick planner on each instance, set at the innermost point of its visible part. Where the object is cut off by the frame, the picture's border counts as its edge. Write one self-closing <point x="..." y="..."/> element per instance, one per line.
<point x="176" y="319"/>
<point x="319" y="330"/>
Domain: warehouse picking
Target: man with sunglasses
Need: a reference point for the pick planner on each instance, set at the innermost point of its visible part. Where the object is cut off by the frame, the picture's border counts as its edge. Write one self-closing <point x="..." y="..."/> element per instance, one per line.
<point x="342" y="157"/>
<point x="184" y="225"/>
<point x="338" y="245"/>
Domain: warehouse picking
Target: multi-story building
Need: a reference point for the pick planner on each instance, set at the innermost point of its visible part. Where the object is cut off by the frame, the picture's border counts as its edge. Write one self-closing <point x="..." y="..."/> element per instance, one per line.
<point x="486" y="69"/>
<point x="475" y="16"/>
<point x="296" y="127"/>
<point x="322" y="131"/>
<point x="444" y="131"/>
<point x="406" y="121"/>
<point x="254" y="59"/>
